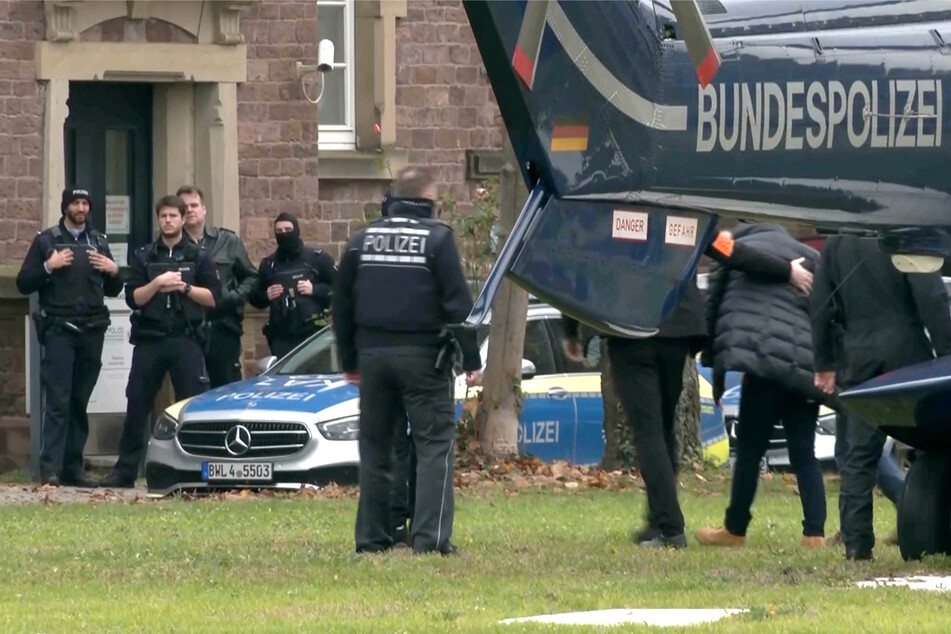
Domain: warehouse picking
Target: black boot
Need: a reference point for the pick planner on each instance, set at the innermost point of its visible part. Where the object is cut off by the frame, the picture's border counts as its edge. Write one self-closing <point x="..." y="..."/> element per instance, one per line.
<point x="118" y="480"/>
<point x="77" y="479"/>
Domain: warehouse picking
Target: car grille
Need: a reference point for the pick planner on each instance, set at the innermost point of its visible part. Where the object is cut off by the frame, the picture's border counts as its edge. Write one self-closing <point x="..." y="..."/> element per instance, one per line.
<point x="268" y="439"/>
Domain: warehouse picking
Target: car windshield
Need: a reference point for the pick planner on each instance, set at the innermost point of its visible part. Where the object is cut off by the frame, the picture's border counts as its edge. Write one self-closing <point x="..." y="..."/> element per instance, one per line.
<point x="319" y="355"/>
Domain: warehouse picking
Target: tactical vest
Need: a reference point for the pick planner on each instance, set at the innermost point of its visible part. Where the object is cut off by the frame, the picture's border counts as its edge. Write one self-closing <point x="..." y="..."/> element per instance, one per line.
<point x="293" y="314"/>
<point x="395" y="286"/>
<point x="75" y="290"/>
<point x="173" y="312"/>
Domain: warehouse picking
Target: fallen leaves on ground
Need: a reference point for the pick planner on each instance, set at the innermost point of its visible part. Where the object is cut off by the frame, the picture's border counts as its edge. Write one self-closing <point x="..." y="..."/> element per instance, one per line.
<point x="476" y="471"/>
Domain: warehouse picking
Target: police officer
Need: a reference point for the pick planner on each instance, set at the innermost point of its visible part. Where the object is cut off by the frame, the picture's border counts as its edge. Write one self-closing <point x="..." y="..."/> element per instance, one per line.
<point x="238" y="277"/>
<point x="881" y="315"/>
<point x="648" y="373"/>
<point x="72" y="268"/>
<point x="295" y="283"/>
<point x="170" y="285"/>
<point x="399" y="286"/>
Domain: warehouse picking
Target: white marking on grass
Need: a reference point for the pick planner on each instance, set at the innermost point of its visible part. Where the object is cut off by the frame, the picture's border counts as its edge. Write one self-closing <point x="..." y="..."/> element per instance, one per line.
<point x="926" y="582"/>
<point x="660" y="617"/>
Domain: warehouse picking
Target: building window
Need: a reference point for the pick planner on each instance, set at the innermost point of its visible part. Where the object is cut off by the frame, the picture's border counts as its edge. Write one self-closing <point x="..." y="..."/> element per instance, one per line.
<point x="335" y="22"/>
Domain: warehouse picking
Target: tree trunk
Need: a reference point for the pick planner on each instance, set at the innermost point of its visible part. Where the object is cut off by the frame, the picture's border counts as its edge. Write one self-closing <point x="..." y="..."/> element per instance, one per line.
<point x="618" y="437"/>
<point x="501" y="408"/>
<point x="689" y="445"/>
<point x="619" y="450"/>
<point x="497" y="422"/>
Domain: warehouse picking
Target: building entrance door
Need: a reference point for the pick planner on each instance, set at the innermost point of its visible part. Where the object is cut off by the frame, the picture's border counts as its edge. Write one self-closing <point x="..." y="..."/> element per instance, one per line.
<point x="108" y="150"/>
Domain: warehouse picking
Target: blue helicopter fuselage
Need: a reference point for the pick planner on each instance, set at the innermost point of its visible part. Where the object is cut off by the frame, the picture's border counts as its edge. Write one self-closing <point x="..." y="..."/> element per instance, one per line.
<point x="832" y="113"/>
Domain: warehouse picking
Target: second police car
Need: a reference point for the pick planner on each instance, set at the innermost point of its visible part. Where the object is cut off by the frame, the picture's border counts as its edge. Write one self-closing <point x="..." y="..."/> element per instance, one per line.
<point x="298" y="421"/>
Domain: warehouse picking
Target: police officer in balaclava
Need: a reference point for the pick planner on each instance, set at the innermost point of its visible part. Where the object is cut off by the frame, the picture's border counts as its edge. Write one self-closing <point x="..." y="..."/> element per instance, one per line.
<point x="294" y="284"/>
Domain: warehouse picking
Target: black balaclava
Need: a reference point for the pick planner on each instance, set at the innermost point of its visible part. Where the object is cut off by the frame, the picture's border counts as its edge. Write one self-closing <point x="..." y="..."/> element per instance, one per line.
<point x="74" y="193"/>
<point x="289" y="244"/>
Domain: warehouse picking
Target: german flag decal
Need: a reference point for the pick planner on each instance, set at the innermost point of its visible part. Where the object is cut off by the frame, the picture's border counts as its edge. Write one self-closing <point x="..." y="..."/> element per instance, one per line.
<point x="569" y="137"/>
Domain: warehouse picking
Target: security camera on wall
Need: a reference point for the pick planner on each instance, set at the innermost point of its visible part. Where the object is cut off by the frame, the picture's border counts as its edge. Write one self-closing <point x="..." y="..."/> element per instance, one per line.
<point x="325" y="56"/>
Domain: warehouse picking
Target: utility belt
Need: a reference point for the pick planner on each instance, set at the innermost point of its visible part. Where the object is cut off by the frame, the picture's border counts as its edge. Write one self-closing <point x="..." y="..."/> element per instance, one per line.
<point x="78" y="326"/>
<point x="151" y="331"/>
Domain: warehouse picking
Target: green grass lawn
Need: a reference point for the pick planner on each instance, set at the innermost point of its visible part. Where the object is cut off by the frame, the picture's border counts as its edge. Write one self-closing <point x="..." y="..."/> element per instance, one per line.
<point x="287" y="564"/>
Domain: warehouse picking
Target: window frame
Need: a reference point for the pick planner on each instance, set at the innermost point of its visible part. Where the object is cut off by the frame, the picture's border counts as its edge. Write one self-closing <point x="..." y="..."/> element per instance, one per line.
<point x="332" y="136"/>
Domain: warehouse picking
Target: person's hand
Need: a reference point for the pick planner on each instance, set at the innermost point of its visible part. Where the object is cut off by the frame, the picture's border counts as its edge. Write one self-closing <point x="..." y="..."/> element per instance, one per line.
<point x="799" y="276"/>
<point x="60" y="259"/>
<point x="103" y="264"/>
<point x="169" y="281"/>
<point x="305" y="287"/>
<point x="572" y="348"/>
<point x="353" y="378"/>
<point x="473" y="378"/>
<point x="274" y="291"/>
<point x="825" y="381"/>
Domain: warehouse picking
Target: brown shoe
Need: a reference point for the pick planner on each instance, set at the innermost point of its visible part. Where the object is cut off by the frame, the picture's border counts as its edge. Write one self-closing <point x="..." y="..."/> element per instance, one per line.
<point x="813" y="541"/>
<point x="719" y="537"/>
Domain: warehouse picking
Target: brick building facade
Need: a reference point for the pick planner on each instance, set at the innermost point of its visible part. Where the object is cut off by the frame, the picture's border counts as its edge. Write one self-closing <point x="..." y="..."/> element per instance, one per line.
<point x="227" y="113"/>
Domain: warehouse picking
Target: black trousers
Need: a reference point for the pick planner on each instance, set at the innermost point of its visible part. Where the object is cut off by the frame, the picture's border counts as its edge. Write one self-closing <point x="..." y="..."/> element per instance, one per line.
<point x="395" y="380"/>
<point x="182" y="358"/>
<point x="858" y="478"/>
<point x="69" y="371"/>
<point x="404" y="474"/>
<point x="648" y="374"/>
<point x="223" y="359"/>
<point x="763" y="403"/>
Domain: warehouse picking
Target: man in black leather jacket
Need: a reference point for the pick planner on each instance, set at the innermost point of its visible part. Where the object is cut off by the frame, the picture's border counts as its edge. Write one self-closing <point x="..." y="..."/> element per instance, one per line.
<point x="238" y="277"/>
<point x="883" y="315"/>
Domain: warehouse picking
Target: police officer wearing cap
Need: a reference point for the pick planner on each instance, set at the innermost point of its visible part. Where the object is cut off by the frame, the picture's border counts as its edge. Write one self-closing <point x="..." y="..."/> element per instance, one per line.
<point x="71" y="267"/>
<point x="294" y="283"/>
<point x="171" y="284"/>
<point x="399" y="286"/>
<point x="238" y="277"/>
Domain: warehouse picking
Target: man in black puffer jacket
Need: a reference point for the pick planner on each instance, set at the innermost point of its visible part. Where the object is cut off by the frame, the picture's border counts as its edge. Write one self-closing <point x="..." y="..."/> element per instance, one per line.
<point x="764" y="330"/>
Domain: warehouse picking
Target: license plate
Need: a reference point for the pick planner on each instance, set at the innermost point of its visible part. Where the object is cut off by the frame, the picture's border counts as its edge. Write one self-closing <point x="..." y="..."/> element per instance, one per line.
<point x="236" y="471"/>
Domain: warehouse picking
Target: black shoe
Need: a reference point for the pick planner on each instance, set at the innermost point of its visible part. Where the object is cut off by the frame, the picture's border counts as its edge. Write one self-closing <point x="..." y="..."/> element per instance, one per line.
<point x="646" y="533"/>
<point x="401" y="536"/>
<point x="448" y="551"/>
<point x="77" y="480"/>
<point x="117" y="480"/>
<point x="52" y="480"/>
<point x="665" y="541"/>
<point x="858" y="555"/>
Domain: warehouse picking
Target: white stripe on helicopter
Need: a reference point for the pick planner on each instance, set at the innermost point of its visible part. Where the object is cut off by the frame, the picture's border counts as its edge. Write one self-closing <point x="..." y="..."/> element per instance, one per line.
<point x="638" y="108"/>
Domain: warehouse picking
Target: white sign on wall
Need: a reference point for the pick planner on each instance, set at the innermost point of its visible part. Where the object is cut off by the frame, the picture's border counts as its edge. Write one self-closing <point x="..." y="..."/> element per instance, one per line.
<point x="117" y="214"/>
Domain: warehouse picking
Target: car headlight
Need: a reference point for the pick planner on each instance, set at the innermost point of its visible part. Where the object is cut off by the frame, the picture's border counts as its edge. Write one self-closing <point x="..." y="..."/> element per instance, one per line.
<point x="165" y="428"/>
<point x="340" y="429"/>
<point x="826" y="425"/>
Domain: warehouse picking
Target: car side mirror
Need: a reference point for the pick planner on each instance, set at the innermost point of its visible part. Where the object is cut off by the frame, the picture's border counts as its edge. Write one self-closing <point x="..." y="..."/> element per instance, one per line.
<point x="265" y="364"/>
<point x="592" y="352"/>
<point x="528" y="370"/>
